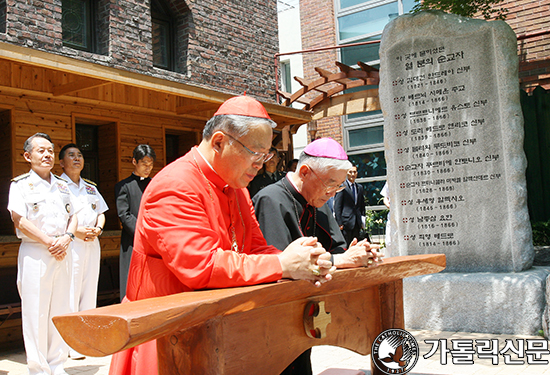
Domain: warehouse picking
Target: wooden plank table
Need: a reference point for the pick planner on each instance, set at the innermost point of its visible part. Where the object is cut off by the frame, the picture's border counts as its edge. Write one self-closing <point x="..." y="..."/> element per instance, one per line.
<point x="262" y="327"/>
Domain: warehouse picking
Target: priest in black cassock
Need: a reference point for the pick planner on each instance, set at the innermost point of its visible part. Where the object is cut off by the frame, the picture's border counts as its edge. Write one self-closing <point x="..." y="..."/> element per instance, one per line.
<point x="128" y="194"/>
<point x="269" y="176"/>
<point x="295" y="207"/>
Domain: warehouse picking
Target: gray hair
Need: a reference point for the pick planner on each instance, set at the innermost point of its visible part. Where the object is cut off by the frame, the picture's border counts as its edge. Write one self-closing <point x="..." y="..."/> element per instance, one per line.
<point x="323" y="164"/>
<point x="28" y="143"/>
<point x="234" y="125"/>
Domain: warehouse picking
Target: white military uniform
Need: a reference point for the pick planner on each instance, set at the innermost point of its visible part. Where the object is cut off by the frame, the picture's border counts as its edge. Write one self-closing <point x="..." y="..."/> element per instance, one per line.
<point x="89" y="205"/>
<point x="42" y="281"/>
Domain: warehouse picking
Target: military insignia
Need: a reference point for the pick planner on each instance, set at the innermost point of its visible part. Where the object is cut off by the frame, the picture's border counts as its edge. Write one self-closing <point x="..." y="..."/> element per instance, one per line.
<point x="31" y="185"/>
<point x="68" y="207"/>
<point x="93" y="206"/>
<point x="59" y="178"/>
<point x="89" y="181"/>
<point x="90" y="190"/>
<point x="35" y="207"/>
<point x="20" y="177"/>
<point x="63" y="188"/>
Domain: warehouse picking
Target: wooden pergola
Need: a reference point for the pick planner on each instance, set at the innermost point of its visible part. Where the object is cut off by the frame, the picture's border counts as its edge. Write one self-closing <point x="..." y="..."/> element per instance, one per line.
<point x="324" y="98"/>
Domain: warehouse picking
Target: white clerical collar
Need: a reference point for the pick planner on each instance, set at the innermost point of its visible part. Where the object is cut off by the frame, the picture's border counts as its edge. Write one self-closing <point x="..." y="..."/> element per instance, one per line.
<point x="210" y="165"/>
<point x="140" y="178"/>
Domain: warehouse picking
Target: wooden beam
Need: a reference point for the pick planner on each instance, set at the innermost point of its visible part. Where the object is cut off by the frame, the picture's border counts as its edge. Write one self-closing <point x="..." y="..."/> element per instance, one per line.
<point x="109" y="329"/>
<point x="346" y="104"/>
<point x="194" y="108"/>
<point x="323" y="73"/>
<point x="78" y="85"/>
<point x="343" y="67"/>
<point x="301" y="81"/>
<point x="85" y="69"/>
<point x="366" y="67"/>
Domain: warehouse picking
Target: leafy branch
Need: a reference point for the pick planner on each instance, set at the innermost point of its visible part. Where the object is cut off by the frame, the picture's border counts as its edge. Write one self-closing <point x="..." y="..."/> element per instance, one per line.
<point x="465" y="8"/>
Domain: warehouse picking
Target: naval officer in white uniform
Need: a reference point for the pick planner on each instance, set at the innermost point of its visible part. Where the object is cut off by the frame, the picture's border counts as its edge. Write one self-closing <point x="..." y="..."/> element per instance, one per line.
<point x="42" y="211"/>
<point x="86" y="250"/>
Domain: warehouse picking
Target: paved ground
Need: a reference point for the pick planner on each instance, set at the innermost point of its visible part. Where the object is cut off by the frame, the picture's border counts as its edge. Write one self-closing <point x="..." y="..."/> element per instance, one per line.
<point x="341" y="361"/>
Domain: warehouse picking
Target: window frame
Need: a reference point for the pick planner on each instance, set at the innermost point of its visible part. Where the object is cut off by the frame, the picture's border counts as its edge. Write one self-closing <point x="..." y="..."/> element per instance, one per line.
<point x="91" y="29"/>
<point x="161" y="14"/>
<point x="350" y="124"/>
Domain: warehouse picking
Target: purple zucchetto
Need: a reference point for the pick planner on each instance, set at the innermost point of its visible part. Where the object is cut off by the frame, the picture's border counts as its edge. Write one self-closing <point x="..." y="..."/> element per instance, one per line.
<point x="326" y="148"/>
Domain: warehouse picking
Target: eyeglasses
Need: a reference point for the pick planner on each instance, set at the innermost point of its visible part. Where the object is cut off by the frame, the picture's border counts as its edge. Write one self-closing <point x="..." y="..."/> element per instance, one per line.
<point x="256" y="156"/>
<point x="329" y="189"/>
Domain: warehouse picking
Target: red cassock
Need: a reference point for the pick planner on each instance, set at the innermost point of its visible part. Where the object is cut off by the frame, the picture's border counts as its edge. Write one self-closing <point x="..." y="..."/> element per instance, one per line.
<point x="184" y="242"/>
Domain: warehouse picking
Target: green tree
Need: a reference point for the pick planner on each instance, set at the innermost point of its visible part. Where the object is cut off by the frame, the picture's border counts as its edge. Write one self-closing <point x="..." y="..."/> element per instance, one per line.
<point x="466" y="8"/>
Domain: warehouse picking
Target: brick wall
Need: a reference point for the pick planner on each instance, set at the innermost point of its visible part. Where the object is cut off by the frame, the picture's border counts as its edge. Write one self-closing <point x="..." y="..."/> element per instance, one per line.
<point x="224" y="45"/>
<point x="318" y="30"/>
<point x="528" y="17"/>
<point x="232" y="45"/>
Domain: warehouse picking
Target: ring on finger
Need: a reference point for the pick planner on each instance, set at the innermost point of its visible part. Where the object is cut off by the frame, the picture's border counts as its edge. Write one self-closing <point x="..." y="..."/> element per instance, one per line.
<point x="369" y="262"/>
<point x="315" y="271"/>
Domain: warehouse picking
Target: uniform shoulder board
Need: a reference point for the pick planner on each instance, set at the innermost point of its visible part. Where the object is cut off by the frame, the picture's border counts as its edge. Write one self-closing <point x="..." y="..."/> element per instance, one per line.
<point x="20" y="177"/>
<point x="89" y="182"/>
<point x="59" y="178"/>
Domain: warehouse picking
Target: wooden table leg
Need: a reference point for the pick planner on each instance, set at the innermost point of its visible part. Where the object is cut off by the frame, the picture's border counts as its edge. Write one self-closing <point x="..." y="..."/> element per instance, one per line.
<point x="391" y="311"/>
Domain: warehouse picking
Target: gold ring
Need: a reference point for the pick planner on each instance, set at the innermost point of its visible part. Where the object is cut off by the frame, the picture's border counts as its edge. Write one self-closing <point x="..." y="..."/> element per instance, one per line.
<point x="315" y="272"/>
<point x="369" y="262"/>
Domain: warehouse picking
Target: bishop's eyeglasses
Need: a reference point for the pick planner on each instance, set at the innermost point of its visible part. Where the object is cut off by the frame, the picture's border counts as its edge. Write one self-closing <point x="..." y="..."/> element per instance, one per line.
<point x="329" y="189"/>
<point x="255" y="156"/>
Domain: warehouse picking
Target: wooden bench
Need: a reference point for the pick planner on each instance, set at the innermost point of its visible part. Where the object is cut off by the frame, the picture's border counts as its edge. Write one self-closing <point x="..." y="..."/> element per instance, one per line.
<point x="256" y="329"/>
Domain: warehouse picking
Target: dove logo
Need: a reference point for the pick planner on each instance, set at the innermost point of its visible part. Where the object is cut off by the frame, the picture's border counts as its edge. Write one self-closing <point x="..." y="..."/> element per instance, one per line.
<point x="395" y="351"/>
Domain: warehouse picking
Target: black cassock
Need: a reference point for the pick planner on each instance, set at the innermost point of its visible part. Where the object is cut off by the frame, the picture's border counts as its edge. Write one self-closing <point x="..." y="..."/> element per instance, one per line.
<point x="284" y="216"/>
<point x="128" y="194"/>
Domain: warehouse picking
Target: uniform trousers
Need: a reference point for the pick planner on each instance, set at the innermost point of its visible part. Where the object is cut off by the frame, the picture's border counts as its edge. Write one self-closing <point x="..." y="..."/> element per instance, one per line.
<point x="86" y="256"/>
<point x="85" y="274"/>
<point x="43" y="285"/>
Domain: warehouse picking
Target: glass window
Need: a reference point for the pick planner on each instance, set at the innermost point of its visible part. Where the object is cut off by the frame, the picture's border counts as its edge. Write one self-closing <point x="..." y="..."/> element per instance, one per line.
<point x="286" y="76"/>
<point x="76" y="23"/>
<point x="372" y="192"/>
<point x="369" y="52"/>
<point x="367" y="21"/>
<point x="366" y="136"/>
<point x="163" y="42"/>
<point x="370" y="164"/>
<point x="87" y="141"/>
<point x="2" y="16"/>
<point x="350" y="3"/>
<point x="408" y="5"/>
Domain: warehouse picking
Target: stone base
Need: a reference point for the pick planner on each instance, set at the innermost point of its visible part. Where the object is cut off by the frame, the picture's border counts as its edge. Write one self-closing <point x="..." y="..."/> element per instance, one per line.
<point x="485" y="302"/>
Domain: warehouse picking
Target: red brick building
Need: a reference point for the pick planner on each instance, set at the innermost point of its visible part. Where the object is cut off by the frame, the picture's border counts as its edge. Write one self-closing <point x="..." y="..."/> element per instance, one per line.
<point x="111" y="75"/>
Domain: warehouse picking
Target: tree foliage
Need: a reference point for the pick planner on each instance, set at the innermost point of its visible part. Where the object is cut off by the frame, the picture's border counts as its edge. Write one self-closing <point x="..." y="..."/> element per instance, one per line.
<point x="466" y="8"/>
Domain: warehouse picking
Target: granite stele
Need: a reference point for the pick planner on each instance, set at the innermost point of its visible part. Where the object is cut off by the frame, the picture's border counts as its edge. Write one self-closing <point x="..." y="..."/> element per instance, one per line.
<point x="453" y="134"/>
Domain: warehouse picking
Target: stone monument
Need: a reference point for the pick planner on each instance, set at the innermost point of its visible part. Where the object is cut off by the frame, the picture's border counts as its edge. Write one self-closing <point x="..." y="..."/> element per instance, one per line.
<point x="453" y="132"/>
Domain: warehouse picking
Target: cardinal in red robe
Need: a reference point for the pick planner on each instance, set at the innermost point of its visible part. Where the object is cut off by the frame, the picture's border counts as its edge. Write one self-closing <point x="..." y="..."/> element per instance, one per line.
<point x="196" y="226"/>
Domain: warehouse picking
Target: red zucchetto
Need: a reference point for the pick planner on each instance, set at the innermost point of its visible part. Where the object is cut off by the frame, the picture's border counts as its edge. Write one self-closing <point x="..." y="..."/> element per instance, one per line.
<point x="242" y="106"/>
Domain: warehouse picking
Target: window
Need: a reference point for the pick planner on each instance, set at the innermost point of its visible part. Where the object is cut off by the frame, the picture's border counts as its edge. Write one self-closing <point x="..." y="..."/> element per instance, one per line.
<point x="163" y="39"/>
<point x="2" y="16"/>
<point x="77" y="24"/>
<point x="178" y="143"/>
<point x="87" y="140"/>
<point x="97" y="139"/>
<point x="286" y="76"/>
<point x="361" y="21"/>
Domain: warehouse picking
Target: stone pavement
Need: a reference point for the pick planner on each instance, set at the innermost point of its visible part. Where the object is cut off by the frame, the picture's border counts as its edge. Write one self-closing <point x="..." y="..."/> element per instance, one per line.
<point x="328" y="357"/>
